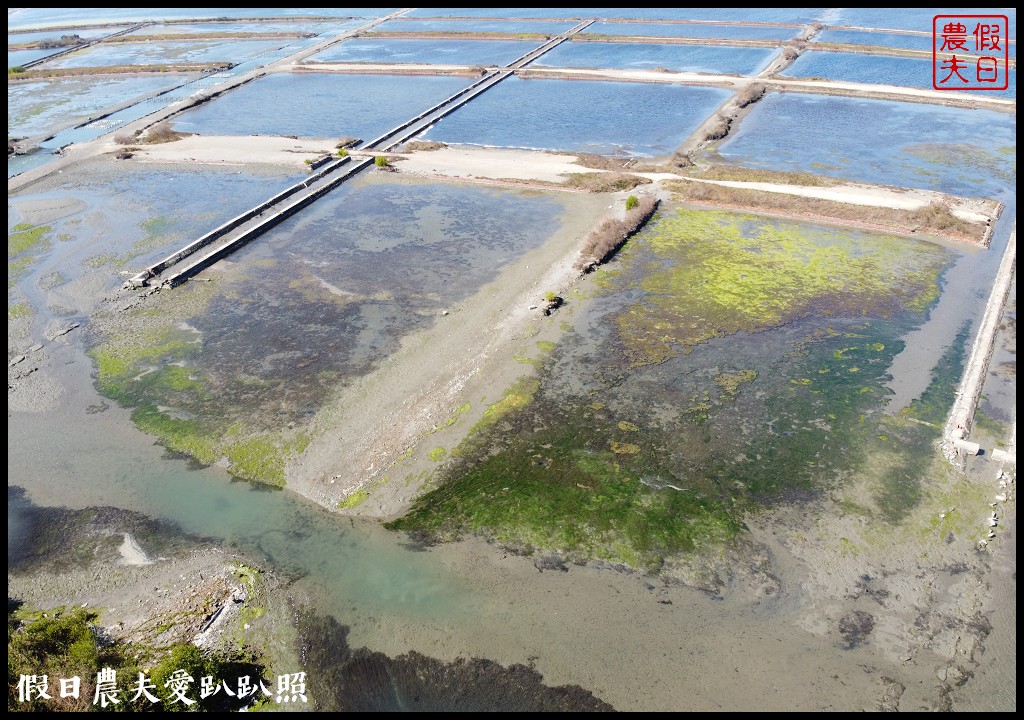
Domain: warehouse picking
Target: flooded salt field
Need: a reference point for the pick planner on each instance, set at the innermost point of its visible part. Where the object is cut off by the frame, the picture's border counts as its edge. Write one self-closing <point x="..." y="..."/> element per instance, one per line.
<point x="905" y="18"/>
<point x="883" y="39"/>
<point x="38" y="107"/>
<point x="316" y="302"/>
<point x="748" y="15"/>
<point x="923" y="146"/>
<point x="718" y="454"/>
<point x="291" y="26"/>
<point x="549" y="112"/>
<point x="83" y="32"/>
<point x="477" y="26"/>
<point x="168" y="52"/>
<point x="692" y="30"/>
<point x="29" y="18"/>
<point x="436" y="52"/>
<point x="879" y="69"/>
<point x="646" y="56"/>
<point x="320" y="105"/>
<point x="110" y="224"/>
<point x="728" y="362"/>
<point x="17" y="58"/>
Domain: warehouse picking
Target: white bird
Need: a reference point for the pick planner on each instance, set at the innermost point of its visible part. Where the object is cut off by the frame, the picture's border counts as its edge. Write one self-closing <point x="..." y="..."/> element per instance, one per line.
<point x="982" y="543"/>
<point x="991" y="534"/>
<point x="1001" y="498"/>
<point x="942" y="515"/>
<point x="993" y="523"/>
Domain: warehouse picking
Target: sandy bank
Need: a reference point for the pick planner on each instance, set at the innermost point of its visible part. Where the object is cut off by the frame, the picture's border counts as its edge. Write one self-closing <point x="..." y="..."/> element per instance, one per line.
<point x="231" y="150"/>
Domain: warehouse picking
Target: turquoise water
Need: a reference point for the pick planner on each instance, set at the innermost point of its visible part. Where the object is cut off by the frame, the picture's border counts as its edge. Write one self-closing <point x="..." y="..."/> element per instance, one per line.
<point x="191" y="51"/>
<point x="718" y="59"/>
<point x="954" y="150"/>
<point x="499" y="26"/>
<point x="435" y="52"/>
<point x="694" y="30"/>
<point x="26" y="18"/>
<point x="880" y="69"/>
<point x="560" y="115"/>
<point x="320" y="105"/>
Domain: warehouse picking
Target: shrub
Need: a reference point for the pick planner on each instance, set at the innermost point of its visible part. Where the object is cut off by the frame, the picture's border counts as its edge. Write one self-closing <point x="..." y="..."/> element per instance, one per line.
<point x="381" y="161"/>
<point x="631" y="202"/>
<point x="17" y="69"/>
<point x="343" y="153"/>
<point x="550" y="295"/>
<point x="603" y="241"/>
<point x="750" y="95"/>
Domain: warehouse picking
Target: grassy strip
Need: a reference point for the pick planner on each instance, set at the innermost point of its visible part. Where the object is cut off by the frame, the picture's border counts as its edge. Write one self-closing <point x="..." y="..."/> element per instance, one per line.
<point x="193" y="37"/>
<point x="933" y="219"/>
<point x="36" y="74"/>
<point x="453" y="35"/>
<point x="748" y="174"/>
<point x="604" y="181"/>
<point x="654" y="40"/>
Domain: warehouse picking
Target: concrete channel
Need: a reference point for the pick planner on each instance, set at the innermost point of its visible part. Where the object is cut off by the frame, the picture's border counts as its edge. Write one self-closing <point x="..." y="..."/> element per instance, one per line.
<point x="173" y="270"/>
<point x="958" y="424"/>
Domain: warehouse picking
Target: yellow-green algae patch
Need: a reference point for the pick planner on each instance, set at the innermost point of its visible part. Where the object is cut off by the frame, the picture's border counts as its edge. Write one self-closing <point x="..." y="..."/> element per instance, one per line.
<point x="150" y="365"/>
<point x="719" y="273"/>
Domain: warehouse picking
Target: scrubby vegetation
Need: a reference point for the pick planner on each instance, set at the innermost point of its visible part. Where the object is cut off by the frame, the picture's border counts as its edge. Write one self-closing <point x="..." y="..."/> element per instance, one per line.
<point x="750" y="95"/>
<point x="604" y="240"/>
<point x="605" y="181"/>
<point x="423" y="145"/>
<point x="936" y="219"/>
<point x="66" y="643"/>
<point x="381" y="161"/>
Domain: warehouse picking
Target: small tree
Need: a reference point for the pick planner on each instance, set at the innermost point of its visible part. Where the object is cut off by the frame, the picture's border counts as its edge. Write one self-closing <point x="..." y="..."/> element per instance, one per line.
<point x="343" y="153"/>
<point x="631" y="202"/>
<point x="381" y="161"/>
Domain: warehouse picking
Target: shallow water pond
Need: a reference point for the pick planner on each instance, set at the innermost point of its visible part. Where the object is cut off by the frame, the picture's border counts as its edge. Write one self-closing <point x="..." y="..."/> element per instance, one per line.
<point x="958" y="151"/>
<point x="727" y="362"/>
<point x="36" y="107"/>
<point x="559" y="115"/>
<point x="29" y="18"/>
<point x="435" y="52"/>
<point x="319" y="27"/>
<point x="919" y="18"/>
<point x="647" y="56"/>
<point x="314" y="303"/>
<point x="800" y="15"/>
<point x="319" y="105"/>
<point x="692" y="30"/>
<point x="883" y="39"/>
<point x="482" y="26"/>
<point x="168" y="51"/>
<point x="880" y="69"/>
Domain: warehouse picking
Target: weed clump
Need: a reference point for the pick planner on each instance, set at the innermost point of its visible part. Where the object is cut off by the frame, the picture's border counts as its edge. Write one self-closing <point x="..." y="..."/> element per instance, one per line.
<point x="606" y="239"/>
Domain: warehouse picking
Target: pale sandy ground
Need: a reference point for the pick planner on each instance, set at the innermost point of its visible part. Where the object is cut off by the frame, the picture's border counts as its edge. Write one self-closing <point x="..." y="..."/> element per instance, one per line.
<point x="132" y="553"/>
<point x="968" y="209"/>
<point x="233" y="150"/>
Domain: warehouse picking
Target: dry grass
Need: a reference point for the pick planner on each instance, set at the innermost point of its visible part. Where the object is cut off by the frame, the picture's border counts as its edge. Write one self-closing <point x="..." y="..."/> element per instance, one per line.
<point x="747" y="174"/>
<point x="935" y="219"/>
<point x="423" y="146"/>
<point x="750" y="95"/>
<point x="599" y="162"/>
<point x="718" y="129"/>
<point x="604" y="181"/>
<point x="35" y="74"/>
<point x="605" y="240"/>
<point x="161" y="133"/>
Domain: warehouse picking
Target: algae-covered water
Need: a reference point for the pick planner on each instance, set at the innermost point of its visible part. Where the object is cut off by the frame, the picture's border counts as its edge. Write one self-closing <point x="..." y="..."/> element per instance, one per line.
<point x="727" y="362"/>
<point x="239" y="369"/>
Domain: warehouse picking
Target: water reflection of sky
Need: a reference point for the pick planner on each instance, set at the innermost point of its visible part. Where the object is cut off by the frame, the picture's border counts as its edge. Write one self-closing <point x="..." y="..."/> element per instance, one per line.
<point x="880" y="141"/>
